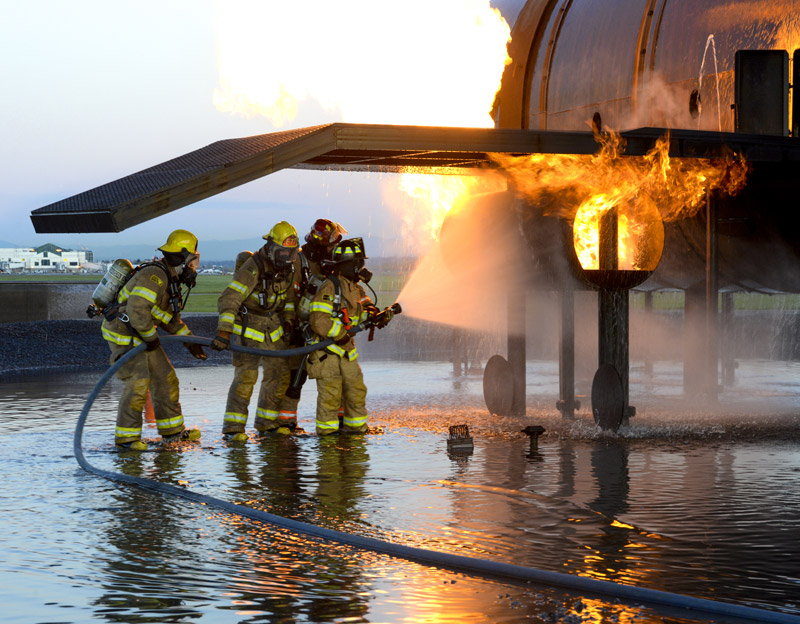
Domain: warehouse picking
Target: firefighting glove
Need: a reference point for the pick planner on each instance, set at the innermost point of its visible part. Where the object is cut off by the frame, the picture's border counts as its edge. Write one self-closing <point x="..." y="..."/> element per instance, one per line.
<point x="288" y="329"/>
<point x="196" y="350"/>
<point x="372" y="310"/>
<point x="153" y="344"/>
<point x="343" y="340"/>
<point x="386" y="316"/>
<point x="221" y="341"/>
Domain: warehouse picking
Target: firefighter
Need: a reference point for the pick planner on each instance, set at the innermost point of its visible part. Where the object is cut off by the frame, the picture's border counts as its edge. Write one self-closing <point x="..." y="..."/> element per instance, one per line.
<point x="320" y="240"/>
<point x="149" y="299"/>
<point x="339" y="305"/>
<point x="259" y="307"/>
<point x="322" y="237"/>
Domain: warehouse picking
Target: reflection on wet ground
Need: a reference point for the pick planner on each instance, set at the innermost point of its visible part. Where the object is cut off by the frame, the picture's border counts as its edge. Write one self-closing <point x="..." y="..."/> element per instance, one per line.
<point x="690" y="499"/>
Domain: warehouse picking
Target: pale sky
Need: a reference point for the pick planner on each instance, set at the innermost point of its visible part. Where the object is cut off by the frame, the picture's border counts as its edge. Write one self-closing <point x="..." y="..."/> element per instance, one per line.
<point x="96" y="90"/>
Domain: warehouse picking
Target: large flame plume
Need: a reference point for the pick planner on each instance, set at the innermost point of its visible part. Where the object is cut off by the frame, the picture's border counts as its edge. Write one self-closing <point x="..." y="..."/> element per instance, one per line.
<point x="644" y="190"/>
<point x="411" y="62"/>
<point x="416" y="62"/>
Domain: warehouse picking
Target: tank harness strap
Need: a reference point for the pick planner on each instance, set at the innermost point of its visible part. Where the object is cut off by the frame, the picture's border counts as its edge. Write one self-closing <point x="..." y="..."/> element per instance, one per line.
<point x="124" y="316"/>
<point x="243" y="314"/>
<point x="263" y="280"/>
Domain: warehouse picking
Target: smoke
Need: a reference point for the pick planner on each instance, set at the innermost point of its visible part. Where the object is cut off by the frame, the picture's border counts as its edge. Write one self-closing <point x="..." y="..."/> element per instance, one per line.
<point x="661" y="105"/>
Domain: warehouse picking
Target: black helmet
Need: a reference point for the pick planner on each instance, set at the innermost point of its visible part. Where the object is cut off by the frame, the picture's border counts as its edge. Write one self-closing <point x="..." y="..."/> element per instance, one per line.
<point x="346" y="250"/>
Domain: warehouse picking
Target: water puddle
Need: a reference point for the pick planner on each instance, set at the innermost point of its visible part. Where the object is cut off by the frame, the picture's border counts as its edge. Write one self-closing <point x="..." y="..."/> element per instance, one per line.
<point x="690" y="499"/>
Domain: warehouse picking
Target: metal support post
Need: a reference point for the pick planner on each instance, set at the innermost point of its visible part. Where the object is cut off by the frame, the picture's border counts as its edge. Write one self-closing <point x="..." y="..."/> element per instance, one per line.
<point x="648" y="314"/>
<point x="728" y="355"/>
<point x="566" y="360"/>
<point x="613" y="311"/>
<point x="712" y="306"/>
<point x="517" y="306"/>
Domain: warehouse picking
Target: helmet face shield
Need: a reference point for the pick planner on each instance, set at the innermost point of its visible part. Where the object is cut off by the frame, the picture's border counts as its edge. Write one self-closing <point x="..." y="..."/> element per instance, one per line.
<point x="193" y="261"/>
<point x="280" y="256"/>
<point x="189" y="273"/>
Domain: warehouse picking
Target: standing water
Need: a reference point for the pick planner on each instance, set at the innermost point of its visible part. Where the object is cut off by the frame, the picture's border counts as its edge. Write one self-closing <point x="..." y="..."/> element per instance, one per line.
<point x="699" y="503"/>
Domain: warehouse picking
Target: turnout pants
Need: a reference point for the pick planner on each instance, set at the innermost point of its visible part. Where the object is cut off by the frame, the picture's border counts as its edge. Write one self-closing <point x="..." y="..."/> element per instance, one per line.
<point x="340" y="382"/>
<point x="148" y="370"/>
<point x="274" y="383"/>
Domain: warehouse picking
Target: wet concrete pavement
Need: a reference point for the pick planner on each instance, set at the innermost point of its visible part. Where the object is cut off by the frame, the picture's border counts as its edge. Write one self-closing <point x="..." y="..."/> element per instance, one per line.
<point x="693" y="500"/>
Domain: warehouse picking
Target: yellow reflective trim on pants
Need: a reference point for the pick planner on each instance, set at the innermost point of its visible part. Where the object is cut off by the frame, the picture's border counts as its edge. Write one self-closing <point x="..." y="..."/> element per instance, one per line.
<point x="120" y="339"/>
<point x="169" y="423"/>
<point x="267" y="414"/>
<point x="331" y="425"/>
<point x="127" y="432"/>
<point x="355" y="422"/>
<point x="145" y="293"/>
<point x="236" y="417"/>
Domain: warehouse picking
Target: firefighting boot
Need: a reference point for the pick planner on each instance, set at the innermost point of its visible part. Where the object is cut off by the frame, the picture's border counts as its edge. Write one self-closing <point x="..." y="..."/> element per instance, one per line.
<point x="235" y="436"/>
<point x="136" y="445"/>
<point x="359" y="429"/>
<point x="187" y="435"/>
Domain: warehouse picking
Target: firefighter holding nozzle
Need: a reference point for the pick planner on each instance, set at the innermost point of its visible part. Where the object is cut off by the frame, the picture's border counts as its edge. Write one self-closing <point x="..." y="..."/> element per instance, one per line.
<point x="340" y="304"/>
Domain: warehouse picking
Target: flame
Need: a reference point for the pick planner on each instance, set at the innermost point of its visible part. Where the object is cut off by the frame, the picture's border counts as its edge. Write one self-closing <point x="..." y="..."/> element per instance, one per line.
<point x="644" y="191"/>
<point x="436" y="196"/>
<point x="416" y="62"/>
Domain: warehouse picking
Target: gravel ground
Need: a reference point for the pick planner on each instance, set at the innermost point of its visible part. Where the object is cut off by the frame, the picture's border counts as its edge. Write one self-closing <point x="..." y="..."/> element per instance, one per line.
<point x="43" y="346"/>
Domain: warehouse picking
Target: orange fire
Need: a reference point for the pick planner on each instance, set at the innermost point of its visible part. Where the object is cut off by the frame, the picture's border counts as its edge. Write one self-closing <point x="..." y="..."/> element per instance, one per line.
<point x="417" y="62"/>
<point x="644" y="191"/>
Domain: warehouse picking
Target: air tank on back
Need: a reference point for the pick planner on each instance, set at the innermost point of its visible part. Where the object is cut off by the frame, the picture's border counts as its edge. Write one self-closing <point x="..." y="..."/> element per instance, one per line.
<point x="659" y="63"/>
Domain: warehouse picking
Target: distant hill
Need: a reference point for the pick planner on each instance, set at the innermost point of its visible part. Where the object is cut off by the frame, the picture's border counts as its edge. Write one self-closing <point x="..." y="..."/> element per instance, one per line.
<point x="211" y="252"/>
<point x="6" y="244"/>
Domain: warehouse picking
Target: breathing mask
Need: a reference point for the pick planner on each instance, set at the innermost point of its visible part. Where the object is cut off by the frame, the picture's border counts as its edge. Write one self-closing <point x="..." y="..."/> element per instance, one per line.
<point x="188" y="275"/>
<point x="281" y="257"/>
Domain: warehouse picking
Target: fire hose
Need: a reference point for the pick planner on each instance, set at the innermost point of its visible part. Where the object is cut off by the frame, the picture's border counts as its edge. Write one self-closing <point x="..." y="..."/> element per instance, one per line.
<point x="457" y="563"/>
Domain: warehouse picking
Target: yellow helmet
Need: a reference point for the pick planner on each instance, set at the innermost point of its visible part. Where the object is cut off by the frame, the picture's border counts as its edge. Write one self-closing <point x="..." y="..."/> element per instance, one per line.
<point x="180" y="241"/>
<point x="283" y="234"/>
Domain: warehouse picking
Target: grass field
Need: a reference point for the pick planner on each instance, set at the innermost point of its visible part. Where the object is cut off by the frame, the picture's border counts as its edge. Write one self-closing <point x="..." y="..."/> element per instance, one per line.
<point x="204" y="296"/>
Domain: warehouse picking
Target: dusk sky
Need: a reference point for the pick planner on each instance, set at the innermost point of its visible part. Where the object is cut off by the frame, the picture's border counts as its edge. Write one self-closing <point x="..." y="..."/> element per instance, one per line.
<point x="97" y="90"/>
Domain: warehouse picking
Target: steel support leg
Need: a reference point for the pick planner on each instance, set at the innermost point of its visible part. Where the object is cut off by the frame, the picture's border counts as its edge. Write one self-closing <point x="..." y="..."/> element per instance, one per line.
<point x="613" y="338"/>
<point x="566" y="360"/>
<point x="648" y="314"/>
<point x="712" y="305"/>
<point x="517" y="306"/>
<point x="727" y="353"/>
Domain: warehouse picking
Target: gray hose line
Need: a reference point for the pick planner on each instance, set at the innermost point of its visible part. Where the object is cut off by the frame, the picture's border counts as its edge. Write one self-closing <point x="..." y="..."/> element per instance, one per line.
<point x="459" y="563"/>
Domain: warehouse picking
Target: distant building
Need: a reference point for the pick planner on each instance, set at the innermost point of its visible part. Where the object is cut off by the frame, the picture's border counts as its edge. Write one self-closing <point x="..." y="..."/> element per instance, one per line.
<point x="46" y="258"/>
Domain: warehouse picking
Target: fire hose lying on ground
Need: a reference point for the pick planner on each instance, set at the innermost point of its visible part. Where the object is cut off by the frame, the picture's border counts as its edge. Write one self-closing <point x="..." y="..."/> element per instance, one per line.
<point x="458" y="563"/>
